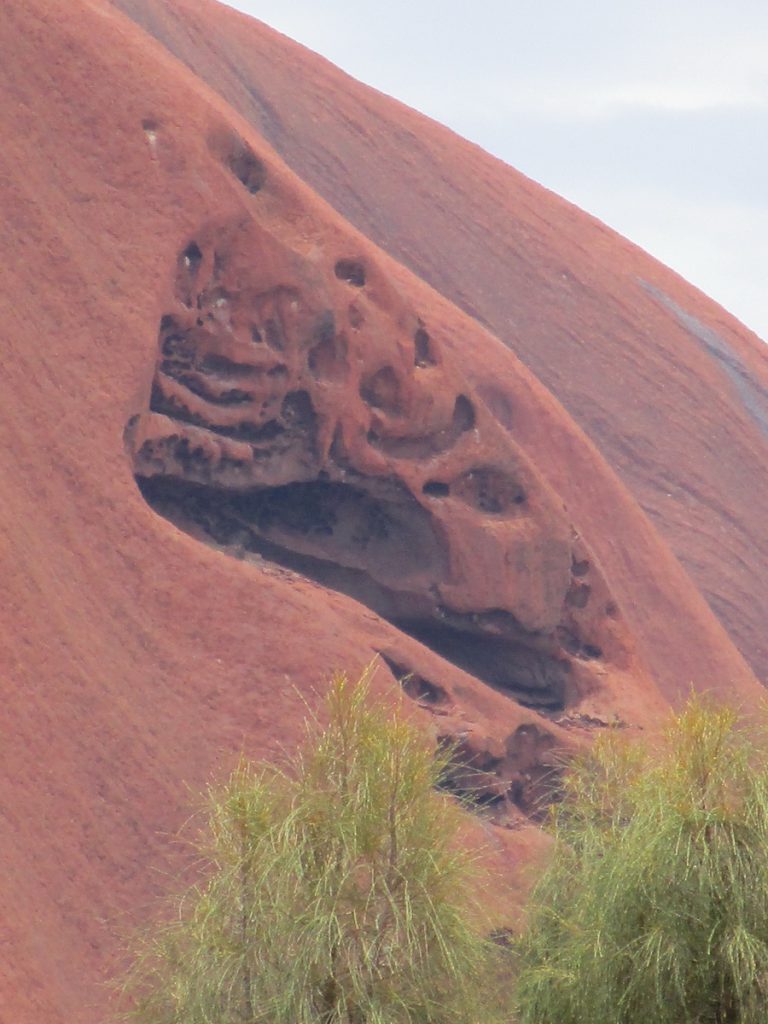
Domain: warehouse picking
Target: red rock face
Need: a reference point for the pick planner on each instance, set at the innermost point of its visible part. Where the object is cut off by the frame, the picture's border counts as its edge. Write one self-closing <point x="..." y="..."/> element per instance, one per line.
<point x="304" y="415"/>
<point x="241" y="447"/>
<point x="670" y="388"/>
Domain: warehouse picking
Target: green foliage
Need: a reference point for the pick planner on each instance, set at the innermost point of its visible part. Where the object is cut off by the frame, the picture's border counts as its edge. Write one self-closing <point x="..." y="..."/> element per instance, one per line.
<point x="655" y="907"/>
<point x="337" y="892"/>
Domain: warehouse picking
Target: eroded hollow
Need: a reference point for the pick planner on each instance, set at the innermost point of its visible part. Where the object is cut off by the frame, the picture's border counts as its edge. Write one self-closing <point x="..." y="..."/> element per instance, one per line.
<point x="192" y="257"/>
<point x="187" y="267"/>
<point x="415" y="686"/>
<point x="422" y="345"/>
<point x="534" y="678"/>
<point x="436" y="489"/>
<point x="489" y="490"/>
<point x="246" y="167"/>
<point x="351" y="271"/>
<point x="327" y="357"/>
<point x="473" y="777"/>
<point x="575" y="645"/>
<point x="369" y="539"/>
<point x="364" y="544"/>
<point x="524" y="778"/>
<point x="382" y="391"/>
<point x="426" y="446"/>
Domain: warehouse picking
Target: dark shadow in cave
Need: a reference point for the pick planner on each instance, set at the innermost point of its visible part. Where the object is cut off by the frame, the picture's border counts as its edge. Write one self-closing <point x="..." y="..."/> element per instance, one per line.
<point x="534" y="678"/>
<point x="364" y="540"/>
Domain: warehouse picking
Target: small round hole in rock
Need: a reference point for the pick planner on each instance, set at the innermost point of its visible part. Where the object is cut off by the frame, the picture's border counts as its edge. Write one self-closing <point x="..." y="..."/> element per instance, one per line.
<point x="420" y="689"/>
<point x="489" y="490"/>
<point x="463" y="415"/>
<point x="192" y="257"/>
<point x="350" y="271"/>
<point x="150" y="128"/>
<point x="436" y="489"/>
<point x="169" y="323"/>
<point x="423" y="352"/>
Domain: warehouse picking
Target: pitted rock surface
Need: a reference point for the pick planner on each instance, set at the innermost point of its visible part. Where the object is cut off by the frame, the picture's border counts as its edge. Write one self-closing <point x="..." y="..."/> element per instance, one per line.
<point x="303" y="413"/>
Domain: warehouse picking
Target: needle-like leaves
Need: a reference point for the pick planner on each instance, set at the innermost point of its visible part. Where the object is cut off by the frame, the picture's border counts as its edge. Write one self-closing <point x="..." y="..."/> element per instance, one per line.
<point x="655" y="906"/>
<point x="337" y="892"/>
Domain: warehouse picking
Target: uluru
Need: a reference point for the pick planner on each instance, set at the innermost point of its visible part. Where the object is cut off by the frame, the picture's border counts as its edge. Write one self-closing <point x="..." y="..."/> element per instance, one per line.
<point x="295" y="380"/>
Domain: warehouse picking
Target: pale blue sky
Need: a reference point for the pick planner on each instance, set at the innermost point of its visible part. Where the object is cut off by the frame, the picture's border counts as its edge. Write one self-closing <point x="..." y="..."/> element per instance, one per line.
<point x="650" y="114"/>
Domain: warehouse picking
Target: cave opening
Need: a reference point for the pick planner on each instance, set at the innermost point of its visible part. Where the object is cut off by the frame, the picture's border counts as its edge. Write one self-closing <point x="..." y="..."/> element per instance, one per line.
<point x="351" y="271"/>
<point x="374" y="542"/>
<point x="533" y="677"/>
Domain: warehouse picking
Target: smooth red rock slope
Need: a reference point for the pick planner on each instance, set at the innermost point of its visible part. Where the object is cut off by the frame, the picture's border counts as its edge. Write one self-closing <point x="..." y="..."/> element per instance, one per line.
<point x="241" y="446"/>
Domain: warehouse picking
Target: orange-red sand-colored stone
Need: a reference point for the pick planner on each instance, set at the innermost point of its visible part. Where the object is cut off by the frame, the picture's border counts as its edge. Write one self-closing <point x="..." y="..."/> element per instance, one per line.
<point x="293" y="378"/>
